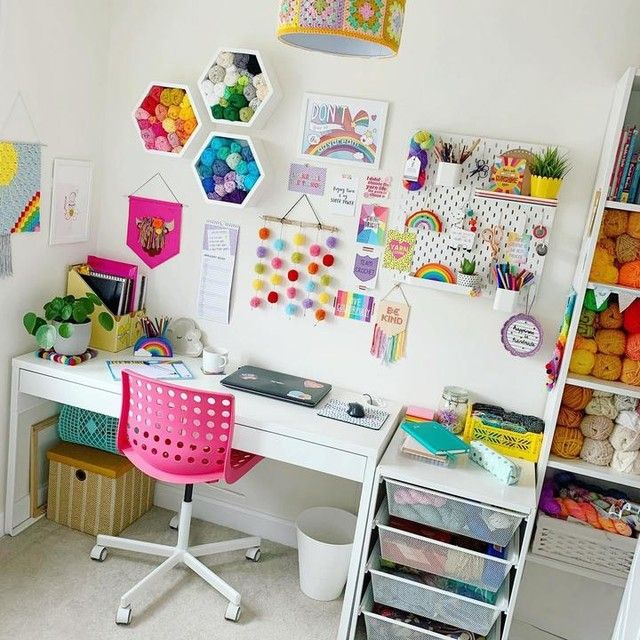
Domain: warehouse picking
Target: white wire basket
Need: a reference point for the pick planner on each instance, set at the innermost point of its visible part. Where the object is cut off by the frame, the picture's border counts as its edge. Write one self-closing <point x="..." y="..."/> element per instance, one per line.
<point x="449" y="513"/>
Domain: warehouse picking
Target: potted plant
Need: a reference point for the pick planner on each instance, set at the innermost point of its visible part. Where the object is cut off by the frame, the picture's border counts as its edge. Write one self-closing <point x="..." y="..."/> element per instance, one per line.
<point x="547" y="172"/>
<point x="66" y="326"/>
<point x="467" y="276"/>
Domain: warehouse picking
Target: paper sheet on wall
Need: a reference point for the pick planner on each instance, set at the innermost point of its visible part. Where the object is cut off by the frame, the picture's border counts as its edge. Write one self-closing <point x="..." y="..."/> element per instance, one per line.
<point x="217" y="264"/>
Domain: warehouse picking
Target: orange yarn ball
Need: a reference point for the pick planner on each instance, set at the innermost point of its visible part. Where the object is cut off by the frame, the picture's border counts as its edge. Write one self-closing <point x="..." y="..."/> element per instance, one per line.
<point x="633" y="226"/>
<point x="610" y="318"/>
<point x="264" y="233"/>
<point x="576" y="397"/>
<point x="607" y="367"/>
<point x="633" y="346"/>
<point x="611" y="341"/>
<point x="588" y="344"/>
<point x="569" y="418"/>
<point x="614" y="222"/>
<point x="603" y="268"/>
<point x="609" y="245"/>
<point x="629" y="274"/>
<point x="321" y="314"/>
<point x="567" y="442"/>
<point x="630" y="372"/>
<point x="313" y="268"/>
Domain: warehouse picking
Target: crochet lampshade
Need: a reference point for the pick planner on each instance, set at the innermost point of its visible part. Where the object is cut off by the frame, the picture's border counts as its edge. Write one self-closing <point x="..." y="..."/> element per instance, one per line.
<point x="364" y="28"/>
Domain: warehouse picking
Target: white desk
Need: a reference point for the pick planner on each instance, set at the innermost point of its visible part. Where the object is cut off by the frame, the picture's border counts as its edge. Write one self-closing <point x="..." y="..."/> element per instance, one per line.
<point x="273" y="429"/>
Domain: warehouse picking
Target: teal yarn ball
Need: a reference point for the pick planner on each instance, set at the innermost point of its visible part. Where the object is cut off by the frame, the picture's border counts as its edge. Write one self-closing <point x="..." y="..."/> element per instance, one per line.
<point x="223" y="152"/>
<point x="310" y="287"/>
<point x="278" y="244"/>
<point x="250" y="181"/>
<point x="233" y="160"/>
<point x="252" y="168"/>
<point x="216" y="143"/>
<point x="228" y="92"/>
<point x="236" y="147"/>
<point x="291" y="309"/>
<point x="242" y="168"/>
<point x="207" y="158"/>
<point x="204" y="171"/>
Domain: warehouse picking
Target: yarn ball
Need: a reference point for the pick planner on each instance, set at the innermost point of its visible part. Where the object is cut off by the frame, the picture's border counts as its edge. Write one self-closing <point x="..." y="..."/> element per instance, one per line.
<point x="315" y="250"/>
<point x="238" y="101"/>
<point x="320" y="315"/>
<point x="328" y="260"/>
<point x="582" y="362"/>
<point x="324" y="298"/>
<point x="630" y="372"/>
<point x="249" y="92"/>
<point x="633" y="226"/>
<point x="292" y="275"/>
<point x="291" y="309"/>
<point x="231" y="113"/>
<point x="299" y="239"/>
<point x="591" y="304"/>
<point x="567" y="443"/>
<point x="627" y="248"/>
<point x="258" y="284"/>
<point x="596" y="427"/>
<point x="233" y="160"/>
<point x="310" y="287"/>
<point x="276" y="263"/>
<point x="614" y="222"/>
<point x="273" y="297"/>
<point x="216" y="73"/>
<point x="260" y="268"/>
<point x="246" y="113"/>
<point x="262" y="92"/>
<point x="601" y="406"/>
<point x="259" y="80"/>
<point x="276" y="279"/>
<point x="609" y="245"/>
<point x="325" y="280"/>
<point x="255" y="302"/>
<point x="625" y="439"/>
<point x="626" y="462"/>
<point x="241" y="60"/>
<point x="225" y="59"/>
<point x="575" y="397"/>
<point x="279" y="244"/>
<point x="588" y="344"/>
<point x="292" y="292"/>
<point x="261" y="252"/>
<point x="625" y="403"/>
<point x="631" y="317"/>
<point x="297" y="257"/>
<point x="629" y="274"/>
<point x="598" y="452"/>
<point x="611" y="341"/>
<point x="607" y="367"/>
<point x="307" y="303"/>
<point x="313" y="268"/>
<point x="629" y="419"/>
<point x="220" y="169"/>
<point x="331" y="242"/>
<point x="610" y="318"/>
<point x="254" y="104"/>
<point x="569" y="418"/>
<point x="632" y="349"/>
<point x="603" y="268"/>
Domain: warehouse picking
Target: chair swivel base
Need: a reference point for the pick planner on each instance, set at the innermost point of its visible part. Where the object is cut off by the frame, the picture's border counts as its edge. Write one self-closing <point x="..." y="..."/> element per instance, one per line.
<point x="181" y="553"/>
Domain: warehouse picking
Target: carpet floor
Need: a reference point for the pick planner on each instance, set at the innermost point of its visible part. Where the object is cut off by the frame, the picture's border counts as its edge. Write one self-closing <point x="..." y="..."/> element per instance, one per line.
<point x="50" y="590"/>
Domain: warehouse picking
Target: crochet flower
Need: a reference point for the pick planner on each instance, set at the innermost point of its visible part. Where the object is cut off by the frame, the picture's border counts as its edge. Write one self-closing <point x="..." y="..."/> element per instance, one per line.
<point x="365" y="15"/>
<point x="395" y="19"/>
<point x="287" y="11"/>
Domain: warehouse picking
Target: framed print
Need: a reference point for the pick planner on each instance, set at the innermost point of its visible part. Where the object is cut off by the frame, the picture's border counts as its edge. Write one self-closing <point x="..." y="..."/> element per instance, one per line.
<point x="70" y="201"/>
<point x="38" y="466"/>
<point x="342" y="130"/>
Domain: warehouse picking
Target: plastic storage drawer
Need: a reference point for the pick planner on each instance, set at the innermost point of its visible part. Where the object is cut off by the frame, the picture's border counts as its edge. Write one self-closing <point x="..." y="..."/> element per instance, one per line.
<point x="443" y="559"/>
<point x="381" y="628"/>
<point x="452" y="514"/>
<point x="436" y="604"/>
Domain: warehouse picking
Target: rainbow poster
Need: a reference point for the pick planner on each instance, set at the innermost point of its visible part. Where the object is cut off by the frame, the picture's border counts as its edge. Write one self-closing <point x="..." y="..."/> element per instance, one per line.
<point x="436" y="271"/>
<point x="354" y="306"/>
<point x="424" y="219"/>
<point x="345" y="130"/>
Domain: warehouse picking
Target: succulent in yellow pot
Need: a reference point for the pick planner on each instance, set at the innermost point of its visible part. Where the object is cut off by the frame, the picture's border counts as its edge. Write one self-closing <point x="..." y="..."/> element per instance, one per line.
<point x="548" y="169"/>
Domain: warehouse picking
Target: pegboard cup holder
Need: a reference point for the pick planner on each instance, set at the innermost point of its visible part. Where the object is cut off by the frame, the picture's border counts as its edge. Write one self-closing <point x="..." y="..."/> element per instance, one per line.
<point x="505" y="300"/>
<point x="449" y="174"/>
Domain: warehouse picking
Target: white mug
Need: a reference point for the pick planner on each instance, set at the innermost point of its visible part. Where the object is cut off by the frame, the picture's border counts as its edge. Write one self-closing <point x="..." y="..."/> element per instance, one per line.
<point x="214" y="360"/>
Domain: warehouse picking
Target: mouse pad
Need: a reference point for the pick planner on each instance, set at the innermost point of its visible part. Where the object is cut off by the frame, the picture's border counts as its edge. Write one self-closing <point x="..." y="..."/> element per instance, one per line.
<point x="338" y="410"/>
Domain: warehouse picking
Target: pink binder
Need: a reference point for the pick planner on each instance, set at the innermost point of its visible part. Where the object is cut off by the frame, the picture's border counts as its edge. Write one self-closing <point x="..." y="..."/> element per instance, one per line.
<point x="115" y="268"/>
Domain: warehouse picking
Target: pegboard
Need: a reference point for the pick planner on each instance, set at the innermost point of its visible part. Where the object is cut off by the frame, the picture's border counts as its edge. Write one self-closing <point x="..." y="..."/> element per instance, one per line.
<point x="518" y="214"/>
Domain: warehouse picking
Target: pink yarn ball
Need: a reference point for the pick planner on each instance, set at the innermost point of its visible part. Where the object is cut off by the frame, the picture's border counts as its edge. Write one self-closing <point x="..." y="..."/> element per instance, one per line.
<point x="255" y="302"/>
<point x="314" y="250"/>
<point x="291" y="292"/>
<point x="276" y="263"/>
<point x="162" y="144"/>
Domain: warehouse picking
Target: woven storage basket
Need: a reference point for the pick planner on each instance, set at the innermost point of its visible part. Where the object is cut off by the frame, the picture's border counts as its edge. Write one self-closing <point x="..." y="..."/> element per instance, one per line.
<point x="94" y="491"/>
<point x="583" y="546"/>
<point x="87" y="427"/>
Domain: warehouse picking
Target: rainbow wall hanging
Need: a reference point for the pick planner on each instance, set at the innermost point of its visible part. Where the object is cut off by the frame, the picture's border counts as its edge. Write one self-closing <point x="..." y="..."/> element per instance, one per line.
<point x="437" y="272"/>
<point x="424" y="219"/>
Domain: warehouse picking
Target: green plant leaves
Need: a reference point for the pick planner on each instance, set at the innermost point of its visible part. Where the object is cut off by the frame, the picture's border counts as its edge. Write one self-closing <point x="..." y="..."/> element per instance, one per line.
<point x="550" y="164"/>
<point x="92" y="297"/>
<point x="46" y="336"/>
<point x="82" y="308"/>
<point x="65" y="330"/>
<point x="65" y="311"/>
<point x="106" y="321"/>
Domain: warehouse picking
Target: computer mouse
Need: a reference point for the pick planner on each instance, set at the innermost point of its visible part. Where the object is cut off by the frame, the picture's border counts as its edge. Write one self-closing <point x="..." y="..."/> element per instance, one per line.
<point x="355" y="410"/>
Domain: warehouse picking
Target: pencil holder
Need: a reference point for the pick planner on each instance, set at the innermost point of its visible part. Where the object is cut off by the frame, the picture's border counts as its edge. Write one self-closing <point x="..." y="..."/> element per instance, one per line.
<point x="448" y="174"/>
<point x="505" y="300"/>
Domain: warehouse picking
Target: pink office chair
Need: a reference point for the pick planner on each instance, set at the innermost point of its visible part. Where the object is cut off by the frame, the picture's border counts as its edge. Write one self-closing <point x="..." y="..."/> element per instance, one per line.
<point x="183" y="436"/>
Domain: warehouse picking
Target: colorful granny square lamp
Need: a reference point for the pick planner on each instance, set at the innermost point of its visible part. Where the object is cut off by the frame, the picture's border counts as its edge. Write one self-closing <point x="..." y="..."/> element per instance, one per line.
<point x="364" y="28"/>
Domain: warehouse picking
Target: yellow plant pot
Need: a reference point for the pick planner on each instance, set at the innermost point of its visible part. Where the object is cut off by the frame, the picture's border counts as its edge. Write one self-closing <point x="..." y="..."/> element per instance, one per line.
<point x="545" y="187"/>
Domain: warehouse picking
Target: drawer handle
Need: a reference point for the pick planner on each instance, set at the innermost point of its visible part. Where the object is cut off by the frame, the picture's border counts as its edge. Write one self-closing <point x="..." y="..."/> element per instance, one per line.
<point x="81" y="475"/>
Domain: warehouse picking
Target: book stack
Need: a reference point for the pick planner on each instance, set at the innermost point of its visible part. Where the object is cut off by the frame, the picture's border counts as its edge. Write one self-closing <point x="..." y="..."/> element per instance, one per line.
<point x="625" y="179"/>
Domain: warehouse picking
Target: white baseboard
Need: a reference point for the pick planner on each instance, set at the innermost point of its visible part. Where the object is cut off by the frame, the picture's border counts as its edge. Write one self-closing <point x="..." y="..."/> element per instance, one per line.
<point x="212" y="509"/>
<point x="1" y="524"/>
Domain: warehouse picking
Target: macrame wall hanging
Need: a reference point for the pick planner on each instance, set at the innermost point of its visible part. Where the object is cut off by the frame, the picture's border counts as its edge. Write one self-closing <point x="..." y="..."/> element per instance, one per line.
<point x="390" y="332"/>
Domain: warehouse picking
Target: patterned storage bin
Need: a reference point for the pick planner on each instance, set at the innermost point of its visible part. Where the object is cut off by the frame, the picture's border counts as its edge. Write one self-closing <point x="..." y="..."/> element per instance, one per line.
<point x="86" y="427"/>
<point x="94" y="491"/>
<point x="456" y="515"/>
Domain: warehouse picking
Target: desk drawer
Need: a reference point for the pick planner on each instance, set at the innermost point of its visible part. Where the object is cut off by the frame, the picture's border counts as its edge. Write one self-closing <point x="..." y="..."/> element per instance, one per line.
<point x="66" y="392"/>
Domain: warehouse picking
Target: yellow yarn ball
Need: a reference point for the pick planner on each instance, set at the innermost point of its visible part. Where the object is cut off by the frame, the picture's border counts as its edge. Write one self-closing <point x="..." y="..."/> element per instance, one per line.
<point x="169" y="125"/>
<point x="582" y="362"/>
<point x="588" y="344"/>
<point x="258" y="285"/>
<point x="324" y="298"/>
<point x="603" y="268"/>
<point x="299" y="239"/>
<point x="276" y="279"/>
<point x="567" y="442"/>
<point x="259" y="268"/>
<point x="325" y="280"/>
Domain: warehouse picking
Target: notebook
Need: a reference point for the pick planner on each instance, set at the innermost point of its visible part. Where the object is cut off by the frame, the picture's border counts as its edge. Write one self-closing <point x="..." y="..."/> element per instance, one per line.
<point x="112" y="290"/>
<point x="120" y="269"/>
<point x="435" y="438"/>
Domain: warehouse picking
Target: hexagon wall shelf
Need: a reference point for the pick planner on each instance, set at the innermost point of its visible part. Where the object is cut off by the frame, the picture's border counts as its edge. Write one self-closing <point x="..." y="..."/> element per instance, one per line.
<point x="166" y="119"/>
<point x="229" y="170"/>
<point x="238" y="89"/>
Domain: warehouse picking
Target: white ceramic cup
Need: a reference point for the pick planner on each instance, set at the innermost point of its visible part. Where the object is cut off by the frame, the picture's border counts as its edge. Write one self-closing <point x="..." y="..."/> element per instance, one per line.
<point x="214" y="359"/>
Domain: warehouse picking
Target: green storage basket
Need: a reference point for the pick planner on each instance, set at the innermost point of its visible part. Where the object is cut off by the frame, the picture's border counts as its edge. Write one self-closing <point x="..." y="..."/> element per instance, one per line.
<point x="86" y="427"/>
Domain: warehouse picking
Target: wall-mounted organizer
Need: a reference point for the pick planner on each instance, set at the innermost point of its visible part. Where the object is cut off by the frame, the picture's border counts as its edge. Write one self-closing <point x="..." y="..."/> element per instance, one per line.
<point x="229" y="169"/>
<point x="238" y="88"/>
<point x="166" y="118"/>
<point x="436" y="212"/>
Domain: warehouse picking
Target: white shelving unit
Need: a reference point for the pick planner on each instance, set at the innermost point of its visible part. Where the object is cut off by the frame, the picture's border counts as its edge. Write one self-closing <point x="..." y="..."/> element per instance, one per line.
<point x="626" y="101"/>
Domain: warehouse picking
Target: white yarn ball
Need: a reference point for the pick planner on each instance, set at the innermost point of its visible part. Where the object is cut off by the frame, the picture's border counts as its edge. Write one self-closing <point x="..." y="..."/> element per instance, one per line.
<point x="207" y="87"/>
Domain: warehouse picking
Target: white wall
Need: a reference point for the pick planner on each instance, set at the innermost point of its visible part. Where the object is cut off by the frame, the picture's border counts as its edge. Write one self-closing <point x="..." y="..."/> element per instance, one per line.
<point x="55" y="54"/>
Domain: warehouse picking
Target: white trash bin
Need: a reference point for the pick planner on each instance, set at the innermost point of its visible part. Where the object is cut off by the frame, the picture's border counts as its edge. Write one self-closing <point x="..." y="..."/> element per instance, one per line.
<point x="325" y="541"/>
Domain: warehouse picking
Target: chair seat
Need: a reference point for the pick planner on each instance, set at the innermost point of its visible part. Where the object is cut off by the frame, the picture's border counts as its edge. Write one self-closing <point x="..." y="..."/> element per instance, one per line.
<point x="241" y="463"/>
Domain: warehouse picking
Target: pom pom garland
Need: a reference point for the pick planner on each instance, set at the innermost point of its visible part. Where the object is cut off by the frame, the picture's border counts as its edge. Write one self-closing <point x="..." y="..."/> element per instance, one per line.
<point x="315" y="250"/>
<point x="297" y="257"/>
<point x="310" y="287"/>
<point x="258" y="285"/>
<point x="328" y="260"/>
<point x="276" y="280"/>
<point x="259" y="268"/>
<point x="292" y="275"/>
<point x="292" y="292"/>
<point x="255" y="302"/>
<point x="320" y="315"/>
<point x="291" y="309"/>
<point x="325" y="280"/>
<point x="332" y="242"/>
<point x="299" y="239"/>
<point x="276" y="263"/>
<point x="324" y="298"/>
<point x="261" y="252"/>
<point x="273" y="297"/>
<point x="307" y="303"/>
<point x="313" y="268"/>
<point x="279" y="244"/>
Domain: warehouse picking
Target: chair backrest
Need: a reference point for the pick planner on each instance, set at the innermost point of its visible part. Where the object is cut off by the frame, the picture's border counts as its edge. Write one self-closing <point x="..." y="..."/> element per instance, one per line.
<point x="176" y="430"/>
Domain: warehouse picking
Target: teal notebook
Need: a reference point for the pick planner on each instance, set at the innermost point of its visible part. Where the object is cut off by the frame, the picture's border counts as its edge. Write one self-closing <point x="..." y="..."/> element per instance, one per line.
<point x="435" y="438"/>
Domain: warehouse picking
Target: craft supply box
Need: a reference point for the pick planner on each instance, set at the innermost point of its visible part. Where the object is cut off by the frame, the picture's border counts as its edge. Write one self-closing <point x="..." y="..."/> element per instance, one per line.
<point x="126" y="328"/>
<point x="95" y="491"/>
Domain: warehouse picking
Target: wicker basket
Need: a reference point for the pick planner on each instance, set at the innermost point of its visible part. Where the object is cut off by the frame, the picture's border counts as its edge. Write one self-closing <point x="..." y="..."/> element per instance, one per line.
<point x="583" y="546"/>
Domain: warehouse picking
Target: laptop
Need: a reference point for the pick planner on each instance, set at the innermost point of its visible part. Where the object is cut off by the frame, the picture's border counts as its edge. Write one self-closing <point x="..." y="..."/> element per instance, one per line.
<point x="277" y="385"/>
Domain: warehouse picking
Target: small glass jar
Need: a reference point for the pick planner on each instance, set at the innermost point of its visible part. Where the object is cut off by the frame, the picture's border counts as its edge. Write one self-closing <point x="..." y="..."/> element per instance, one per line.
<point x="452" y="409"/>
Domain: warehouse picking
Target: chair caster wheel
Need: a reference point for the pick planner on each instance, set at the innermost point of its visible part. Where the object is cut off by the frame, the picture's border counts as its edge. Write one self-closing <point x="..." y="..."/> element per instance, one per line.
<point x="99" y="553"/>
<point x="233" y="612"/>
<point x="173" y="523"/>
<point x="123" y="616"/>
<point x="254" y="554"/>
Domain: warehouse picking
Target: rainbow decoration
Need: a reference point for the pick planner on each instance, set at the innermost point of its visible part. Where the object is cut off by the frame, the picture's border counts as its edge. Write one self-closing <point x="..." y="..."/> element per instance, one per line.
<point x="29" y="220"/>
<point x="361" y="120"/>
<point x="155" y="346"/>
<point x="343" y="145"/>
<point x="424" y="219"/>
<point x="437" y="272"/>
